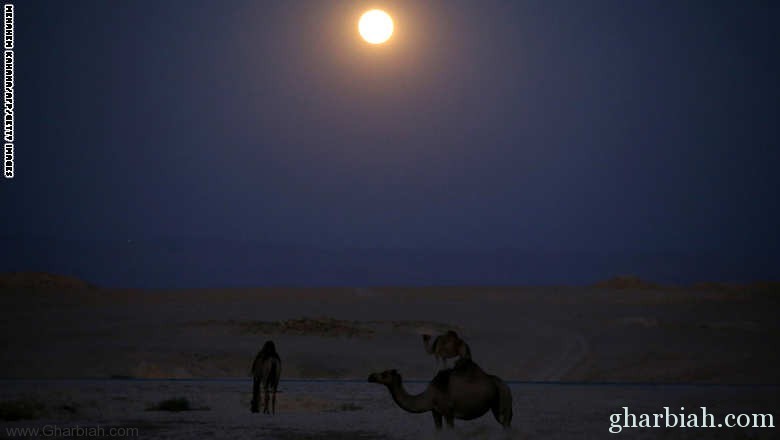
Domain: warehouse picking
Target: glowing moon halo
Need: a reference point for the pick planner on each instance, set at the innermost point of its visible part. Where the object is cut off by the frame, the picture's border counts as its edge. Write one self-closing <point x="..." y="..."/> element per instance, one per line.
<point x="375" y="26"/>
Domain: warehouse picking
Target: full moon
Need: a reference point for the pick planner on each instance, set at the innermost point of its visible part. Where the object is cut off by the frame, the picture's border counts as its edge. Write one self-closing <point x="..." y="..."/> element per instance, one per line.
<point x="375" y="26"/>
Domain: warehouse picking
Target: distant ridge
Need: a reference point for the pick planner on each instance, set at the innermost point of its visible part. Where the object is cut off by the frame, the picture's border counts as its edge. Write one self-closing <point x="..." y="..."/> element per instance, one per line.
<point x="192" y="262"/>
<point x="759" y="286"/>
<point x="41" y="280"/>
<point x="636" y="283"/>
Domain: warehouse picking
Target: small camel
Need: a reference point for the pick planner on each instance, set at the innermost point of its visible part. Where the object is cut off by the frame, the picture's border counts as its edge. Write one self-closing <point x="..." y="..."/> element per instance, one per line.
<point x="464" y="392"/>
<point x="266" y="370"/>
<point x="445" y="346"/>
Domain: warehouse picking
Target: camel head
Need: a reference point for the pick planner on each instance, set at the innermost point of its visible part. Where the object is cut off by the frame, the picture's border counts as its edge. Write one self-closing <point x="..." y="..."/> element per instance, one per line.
<point x="387" y="377"/>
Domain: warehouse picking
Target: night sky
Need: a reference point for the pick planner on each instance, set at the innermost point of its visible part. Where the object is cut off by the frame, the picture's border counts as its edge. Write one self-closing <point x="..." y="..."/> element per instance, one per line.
<point x="200" y="143"/>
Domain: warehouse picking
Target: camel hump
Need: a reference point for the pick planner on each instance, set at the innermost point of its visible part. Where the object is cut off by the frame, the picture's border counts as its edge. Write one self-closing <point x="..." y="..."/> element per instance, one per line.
<point x="465" y="363"/>
<point x="442" y="380"/>
<point x="268" y="352"/>
<point x="266" y="357"/>
<point x="269" y="348"/>
<point x="452" y="333"/>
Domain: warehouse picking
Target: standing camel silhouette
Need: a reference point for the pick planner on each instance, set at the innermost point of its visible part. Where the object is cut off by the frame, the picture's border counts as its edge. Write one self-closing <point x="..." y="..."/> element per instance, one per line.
<point x="266" y="370"/>
<point x="445" y="346"/>
<point x="464" y="392"/>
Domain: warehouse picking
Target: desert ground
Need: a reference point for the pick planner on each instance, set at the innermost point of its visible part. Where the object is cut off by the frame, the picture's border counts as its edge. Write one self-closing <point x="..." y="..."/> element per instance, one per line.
<point x="79" y="355"/>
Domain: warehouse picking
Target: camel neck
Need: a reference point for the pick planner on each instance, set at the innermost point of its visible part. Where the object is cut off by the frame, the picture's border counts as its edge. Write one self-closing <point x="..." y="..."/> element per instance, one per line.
<point x="415" y="404"/>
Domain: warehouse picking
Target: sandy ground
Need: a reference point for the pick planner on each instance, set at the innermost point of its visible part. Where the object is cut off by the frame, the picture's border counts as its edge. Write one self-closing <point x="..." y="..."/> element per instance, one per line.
<point x="553" y="334"/>
<point x="571" y="334"/>
<point x="359" y="410"/>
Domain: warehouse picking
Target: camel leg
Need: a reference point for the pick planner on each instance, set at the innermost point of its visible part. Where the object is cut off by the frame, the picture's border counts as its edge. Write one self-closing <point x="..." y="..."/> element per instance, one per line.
<point x="502" y="410"/>
<point x="273" y="402"/>
<point x="436" y="419"/>
<point x="497" y="414"/>
<point x="265" y="401"/>
<point x="502" y="419"/>
<point x="449" y="418"/>
<point x="255" y="395"/>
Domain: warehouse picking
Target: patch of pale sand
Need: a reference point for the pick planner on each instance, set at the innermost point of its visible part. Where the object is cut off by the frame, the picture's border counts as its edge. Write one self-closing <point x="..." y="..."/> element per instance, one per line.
<point x="287" y="402"/>
<point x="516" y="333"/>
<point x="325" y="326"/>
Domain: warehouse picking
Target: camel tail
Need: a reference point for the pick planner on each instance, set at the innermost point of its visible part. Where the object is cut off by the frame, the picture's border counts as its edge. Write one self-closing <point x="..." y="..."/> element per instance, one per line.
<point x="504" y="404"/>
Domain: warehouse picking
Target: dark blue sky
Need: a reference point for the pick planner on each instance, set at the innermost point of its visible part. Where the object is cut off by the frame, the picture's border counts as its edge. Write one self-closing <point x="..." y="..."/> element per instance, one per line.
<point x="541" y="126"/>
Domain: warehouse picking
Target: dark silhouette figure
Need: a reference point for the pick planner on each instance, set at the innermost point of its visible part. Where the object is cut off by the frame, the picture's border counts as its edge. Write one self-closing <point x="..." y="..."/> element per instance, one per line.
<point x="266" y="370"/>
<point x="463" y="392"/>
<point x="445" y="346"/>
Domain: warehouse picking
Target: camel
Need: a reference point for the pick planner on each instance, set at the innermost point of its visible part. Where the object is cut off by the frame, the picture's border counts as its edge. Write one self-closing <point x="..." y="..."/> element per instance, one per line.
<point x="266" y="370"/>
<point x="464" y="392"/>
<point x="445" y="346"/>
